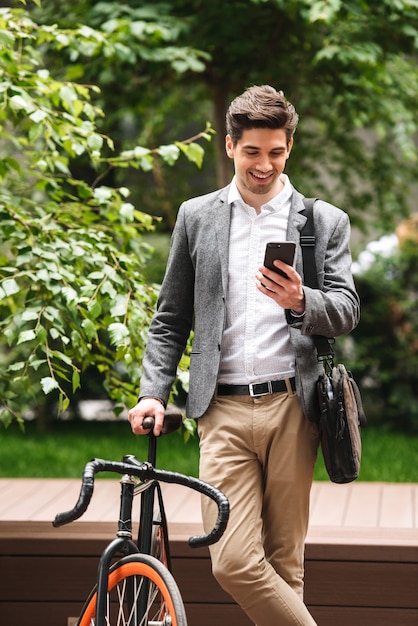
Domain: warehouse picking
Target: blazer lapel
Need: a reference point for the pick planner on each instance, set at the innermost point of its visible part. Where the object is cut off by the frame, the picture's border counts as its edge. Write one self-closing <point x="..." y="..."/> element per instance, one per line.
<point x="222" y="213"/>
<point x="295" y="224"/>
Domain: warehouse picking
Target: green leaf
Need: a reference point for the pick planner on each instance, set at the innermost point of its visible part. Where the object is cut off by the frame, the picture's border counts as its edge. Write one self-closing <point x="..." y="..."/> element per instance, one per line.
<point x="118" y="333"/>
<point x="26" y="335"/>
<point x="6" y="38"/>
<point x="193" y="151"/>
<point x="102" y="194"/>
<point x="10" y="286"/>
<point x="120" y="306"/>
<point x="189" y="426"/>
<point x="62" y="357"/>
<point x="10" y="163"/>
<point x="127" y="210"/>
<point x="64" y="403"/>
<point x="75" y="380"/>
<point x="69" y="294"/>
<point x="324" y="10"/>
<point x="96" y="276"/>
<point x="54" y="333"/>
<point x="41" y="335"/>
<point x="169" y="153"/>
<point x="89" y="328"/>
<point x="30" y="315"/>
<point x="38" y="116"/>
<point x="48" y="384"/>
<point x="36" y="363"/>
<point x="19" y="103"/>
<point x="95" y="309"/>
<point x="95" y="141"/>
<point x="15" y="367"/>
<point x="137" y="153"/>
<point x="68" y="94"/>
<point x="108" y="289"/>
<point x="6" y="417"/>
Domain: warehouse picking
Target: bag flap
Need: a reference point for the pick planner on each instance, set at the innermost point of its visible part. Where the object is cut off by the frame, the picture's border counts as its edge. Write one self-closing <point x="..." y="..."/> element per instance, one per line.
<point x="352" y="393"/>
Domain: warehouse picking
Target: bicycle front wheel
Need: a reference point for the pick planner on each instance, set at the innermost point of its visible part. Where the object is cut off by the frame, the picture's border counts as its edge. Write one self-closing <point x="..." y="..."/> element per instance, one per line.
<point x="141" y="592"/>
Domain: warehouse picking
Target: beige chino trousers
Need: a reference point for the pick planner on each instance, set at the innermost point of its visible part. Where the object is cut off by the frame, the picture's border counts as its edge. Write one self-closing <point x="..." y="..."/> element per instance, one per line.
<point x="261" y="453"/>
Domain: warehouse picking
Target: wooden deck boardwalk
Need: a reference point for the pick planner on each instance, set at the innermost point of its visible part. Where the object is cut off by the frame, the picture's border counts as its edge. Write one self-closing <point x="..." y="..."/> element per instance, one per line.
<point x="361" y="553"/>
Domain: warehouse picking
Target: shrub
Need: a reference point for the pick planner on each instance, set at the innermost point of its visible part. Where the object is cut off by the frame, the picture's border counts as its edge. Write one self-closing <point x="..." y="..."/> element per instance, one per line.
<point x="386" y="340"/>
<point x="72" y="292"/>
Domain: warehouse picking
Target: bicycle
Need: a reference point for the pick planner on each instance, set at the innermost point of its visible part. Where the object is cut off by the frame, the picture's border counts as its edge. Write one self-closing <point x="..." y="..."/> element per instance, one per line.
<point x="139" y="588"/>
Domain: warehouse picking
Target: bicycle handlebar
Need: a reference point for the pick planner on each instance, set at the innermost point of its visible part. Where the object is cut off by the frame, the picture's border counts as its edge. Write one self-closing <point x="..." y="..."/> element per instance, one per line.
<point x="145" y="471"/>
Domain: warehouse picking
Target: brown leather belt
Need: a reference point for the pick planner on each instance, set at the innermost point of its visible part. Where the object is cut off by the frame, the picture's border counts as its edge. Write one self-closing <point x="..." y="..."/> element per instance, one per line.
<point x="256" y="389"/>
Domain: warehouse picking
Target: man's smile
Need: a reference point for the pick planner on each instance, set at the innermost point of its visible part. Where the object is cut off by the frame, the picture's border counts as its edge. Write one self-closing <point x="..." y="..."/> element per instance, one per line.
<point x="259" y="176"/>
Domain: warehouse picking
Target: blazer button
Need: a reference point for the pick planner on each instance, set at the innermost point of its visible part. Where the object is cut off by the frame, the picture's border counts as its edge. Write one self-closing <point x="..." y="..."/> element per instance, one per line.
<point x="310" y="329"/>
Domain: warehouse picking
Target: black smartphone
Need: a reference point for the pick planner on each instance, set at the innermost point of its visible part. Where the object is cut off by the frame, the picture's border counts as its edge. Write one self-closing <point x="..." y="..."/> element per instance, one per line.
<point x="281" y="251"/>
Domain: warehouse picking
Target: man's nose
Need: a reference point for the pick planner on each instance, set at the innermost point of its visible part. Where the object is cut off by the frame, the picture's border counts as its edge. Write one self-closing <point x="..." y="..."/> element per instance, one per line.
<point x="263" y="163"/>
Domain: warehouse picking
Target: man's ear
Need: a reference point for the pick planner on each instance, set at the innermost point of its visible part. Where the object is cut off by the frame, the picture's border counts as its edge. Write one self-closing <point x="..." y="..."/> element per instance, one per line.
<point x="229" y="147"/>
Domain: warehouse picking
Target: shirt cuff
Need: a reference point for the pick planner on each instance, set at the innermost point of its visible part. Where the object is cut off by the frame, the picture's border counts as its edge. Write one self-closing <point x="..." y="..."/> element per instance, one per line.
<point x="154" y="398"/>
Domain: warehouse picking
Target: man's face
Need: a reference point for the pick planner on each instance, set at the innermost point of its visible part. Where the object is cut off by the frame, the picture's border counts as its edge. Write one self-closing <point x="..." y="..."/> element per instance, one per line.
<point x="259" y="157"/>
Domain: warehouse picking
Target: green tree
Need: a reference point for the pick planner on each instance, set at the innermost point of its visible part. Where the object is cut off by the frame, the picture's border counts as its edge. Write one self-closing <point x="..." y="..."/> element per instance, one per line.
<point x="72" y="294"/>
<point x="349" y="67"/>
<point x="142" y="91"/>
<point x="385" y="353"/>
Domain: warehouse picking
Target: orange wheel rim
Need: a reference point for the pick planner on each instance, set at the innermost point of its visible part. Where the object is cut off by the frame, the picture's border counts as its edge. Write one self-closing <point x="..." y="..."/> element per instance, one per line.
<point x="124" y="571"/>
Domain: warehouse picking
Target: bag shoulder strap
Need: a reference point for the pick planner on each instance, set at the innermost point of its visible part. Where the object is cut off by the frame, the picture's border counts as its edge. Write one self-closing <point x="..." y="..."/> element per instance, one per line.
<point x="307" y="242"/>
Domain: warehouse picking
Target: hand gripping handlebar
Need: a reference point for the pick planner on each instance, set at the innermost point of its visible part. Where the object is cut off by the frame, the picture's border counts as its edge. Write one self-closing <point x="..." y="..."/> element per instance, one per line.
<point x="145" y="471"/>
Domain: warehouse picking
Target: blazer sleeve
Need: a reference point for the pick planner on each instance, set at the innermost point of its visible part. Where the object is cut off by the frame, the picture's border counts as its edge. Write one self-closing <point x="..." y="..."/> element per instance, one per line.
<point x="173" y="319"/>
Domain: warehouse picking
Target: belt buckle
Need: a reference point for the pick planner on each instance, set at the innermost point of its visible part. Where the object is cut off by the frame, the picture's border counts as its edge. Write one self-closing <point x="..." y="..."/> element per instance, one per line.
<point x="265" y="393"/>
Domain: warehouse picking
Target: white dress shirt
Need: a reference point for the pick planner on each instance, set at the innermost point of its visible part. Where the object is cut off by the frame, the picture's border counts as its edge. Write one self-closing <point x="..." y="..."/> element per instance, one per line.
<point x="255" y="344"/>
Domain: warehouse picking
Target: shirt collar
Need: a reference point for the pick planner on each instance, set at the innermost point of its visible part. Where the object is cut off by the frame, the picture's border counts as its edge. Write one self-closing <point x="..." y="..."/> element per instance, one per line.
<point x="274" y="204"/>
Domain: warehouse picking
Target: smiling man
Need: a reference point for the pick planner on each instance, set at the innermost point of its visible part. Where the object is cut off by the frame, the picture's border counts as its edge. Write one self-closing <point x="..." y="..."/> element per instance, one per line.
<point x="260" y="157"/>
<point x="253" y="366"/>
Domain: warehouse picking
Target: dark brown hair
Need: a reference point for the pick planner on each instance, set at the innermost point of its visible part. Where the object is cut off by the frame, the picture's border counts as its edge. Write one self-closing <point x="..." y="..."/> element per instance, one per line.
<point x="260" y="107"/>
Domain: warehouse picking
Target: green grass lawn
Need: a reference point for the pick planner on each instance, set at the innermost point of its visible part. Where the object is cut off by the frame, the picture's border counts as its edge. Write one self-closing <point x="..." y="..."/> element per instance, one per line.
<point x="64" y="450"/>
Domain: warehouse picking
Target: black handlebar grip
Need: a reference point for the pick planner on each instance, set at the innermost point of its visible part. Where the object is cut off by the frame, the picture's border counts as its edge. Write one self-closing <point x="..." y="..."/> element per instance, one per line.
<point x="200" y="541"/>
<point x="148" y="423"/>
<point x="173" y="419"/>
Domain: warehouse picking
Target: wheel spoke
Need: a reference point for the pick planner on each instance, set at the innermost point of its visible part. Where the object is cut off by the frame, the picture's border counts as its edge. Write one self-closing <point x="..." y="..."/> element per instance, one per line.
<point x="129" y="581"/>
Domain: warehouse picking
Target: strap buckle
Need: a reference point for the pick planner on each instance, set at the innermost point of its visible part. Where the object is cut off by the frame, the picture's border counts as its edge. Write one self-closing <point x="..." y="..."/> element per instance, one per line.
<point x="254" y="394"/>
<point x="307" y="241"/>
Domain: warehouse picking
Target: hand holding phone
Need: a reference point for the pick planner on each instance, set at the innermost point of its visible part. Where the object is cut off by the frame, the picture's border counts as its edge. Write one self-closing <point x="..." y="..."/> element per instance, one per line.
<point x="281" y="251"/>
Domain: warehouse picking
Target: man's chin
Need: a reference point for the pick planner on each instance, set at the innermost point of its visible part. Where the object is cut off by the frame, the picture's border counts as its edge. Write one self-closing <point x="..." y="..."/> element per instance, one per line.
<point x="261" y="189"/>
<point x="261" y="186"/>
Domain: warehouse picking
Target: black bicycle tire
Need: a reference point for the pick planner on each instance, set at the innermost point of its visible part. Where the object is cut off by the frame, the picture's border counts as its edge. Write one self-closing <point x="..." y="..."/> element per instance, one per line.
<point x="139" y="565"/>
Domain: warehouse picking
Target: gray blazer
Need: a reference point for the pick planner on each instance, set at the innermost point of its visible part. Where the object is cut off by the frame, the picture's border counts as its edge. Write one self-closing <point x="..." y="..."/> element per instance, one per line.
<point x="195" y="286"/>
